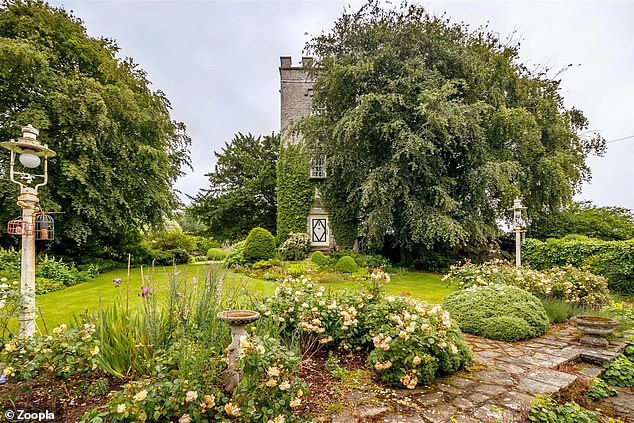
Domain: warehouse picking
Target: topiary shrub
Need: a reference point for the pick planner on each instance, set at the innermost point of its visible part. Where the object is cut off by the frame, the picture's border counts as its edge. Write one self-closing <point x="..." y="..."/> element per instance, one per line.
<point x="259" y="245"/>
<point x="346" y="264"/>
<point x="216" y="254"/>
<point x="320" y="259"/>
<point x="501" y="312"/>
<point x="296" y="247"/>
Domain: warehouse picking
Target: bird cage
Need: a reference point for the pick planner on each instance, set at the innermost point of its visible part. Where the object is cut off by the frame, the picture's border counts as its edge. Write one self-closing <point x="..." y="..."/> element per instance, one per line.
<point x="18" y="226"/>
<point x="44" y="227"/>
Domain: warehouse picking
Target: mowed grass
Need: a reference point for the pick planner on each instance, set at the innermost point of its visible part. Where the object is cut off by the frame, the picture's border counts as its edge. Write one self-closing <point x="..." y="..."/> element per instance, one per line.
<point x="60" y="307"/>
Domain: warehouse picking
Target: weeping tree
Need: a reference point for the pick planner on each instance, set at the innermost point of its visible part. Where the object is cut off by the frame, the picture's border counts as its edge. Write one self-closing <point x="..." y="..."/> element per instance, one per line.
<point x="119" y="151"/>
<point x="430" y="130"/>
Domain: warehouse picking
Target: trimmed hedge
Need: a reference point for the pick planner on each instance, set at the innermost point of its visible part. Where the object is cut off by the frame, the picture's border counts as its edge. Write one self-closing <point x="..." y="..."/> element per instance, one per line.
<point x="259" y="245"/>
<point x="320" y="259"/>
<point x="346" y="264"/>
<point x="216" y="254"/>
<point x="612" y="259"/>
<point x="501" y="312"/>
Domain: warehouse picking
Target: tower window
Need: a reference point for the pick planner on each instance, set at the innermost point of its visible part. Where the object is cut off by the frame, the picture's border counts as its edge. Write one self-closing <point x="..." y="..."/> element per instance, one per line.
<point x="318" y="167"/>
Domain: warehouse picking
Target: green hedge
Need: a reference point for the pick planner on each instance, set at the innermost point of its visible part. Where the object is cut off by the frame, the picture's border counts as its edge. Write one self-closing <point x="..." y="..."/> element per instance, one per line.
<point x="216" y="254"/>
<point x="295" y="192"/>
<point x="346" y="264"/>
<point x="501" y="312"/>
<point x="259" y="245"/>
<point x="612" y="259"/>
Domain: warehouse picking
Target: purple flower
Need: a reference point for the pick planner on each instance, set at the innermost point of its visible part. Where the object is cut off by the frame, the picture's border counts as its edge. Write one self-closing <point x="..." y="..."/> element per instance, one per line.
<point x="117" y="282"/>
<point x="3" y="379"/>
<point x="145" y="292"/>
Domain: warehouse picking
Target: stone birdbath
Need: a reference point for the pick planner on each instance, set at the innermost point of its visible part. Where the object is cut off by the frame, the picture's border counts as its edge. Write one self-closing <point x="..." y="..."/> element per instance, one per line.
<point x="595" y="329"/>
<point x="237" y="320"/>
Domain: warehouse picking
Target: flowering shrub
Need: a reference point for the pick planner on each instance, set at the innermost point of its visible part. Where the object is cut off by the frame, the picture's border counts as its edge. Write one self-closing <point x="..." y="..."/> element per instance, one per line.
<point x="162" y="400"/>
<point x="502" y="312"/>
<point x="268" y="391"/>
<point x="414" y="342"/>
<point x="296" y="246"/>
<point x="570" y="284"/>
<point x="67" y="352"/>
<point x="10" y="305"/>
<point x="270" y="387"/>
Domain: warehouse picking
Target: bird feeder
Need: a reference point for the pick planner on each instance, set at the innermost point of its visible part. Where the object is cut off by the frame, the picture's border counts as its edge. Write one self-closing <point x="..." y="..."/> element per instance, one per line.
<point x="44" y="227"/>
<point x="18" y="226"/>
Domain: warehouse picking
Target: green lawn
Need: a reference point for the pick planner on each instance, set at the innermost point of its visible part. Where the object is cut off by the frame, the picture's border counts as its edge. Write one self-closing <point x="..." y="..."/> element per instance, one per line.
<point x="59" y="307"/>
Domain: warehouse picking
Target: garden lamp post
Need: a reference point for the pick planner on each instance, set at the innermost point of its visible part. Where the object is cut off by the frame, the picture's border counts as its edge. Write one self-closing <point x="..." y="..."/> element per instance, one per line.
<point x="518" y="226"/>
<point x="30" y="152"/>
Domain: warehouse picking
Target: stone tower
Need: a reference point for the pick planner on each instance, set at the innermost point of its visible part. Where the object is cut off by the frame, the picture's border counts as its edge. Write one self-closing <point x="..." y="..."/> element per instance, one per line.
<point x="296" y="86"/>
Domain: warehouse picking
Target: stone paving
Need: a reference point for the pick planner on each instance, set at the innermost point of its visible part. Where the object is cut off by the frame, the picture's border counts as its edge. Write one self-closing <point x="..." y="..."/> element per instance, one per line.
<point x="498" y="387"/>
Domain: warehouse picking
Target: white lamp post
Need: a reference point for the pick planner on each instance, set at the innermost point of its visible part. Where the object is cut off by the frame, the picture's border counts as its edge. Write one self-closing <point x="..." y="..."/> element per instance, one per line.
<point x="31" y="152"/>
<point x="518" y="226"/>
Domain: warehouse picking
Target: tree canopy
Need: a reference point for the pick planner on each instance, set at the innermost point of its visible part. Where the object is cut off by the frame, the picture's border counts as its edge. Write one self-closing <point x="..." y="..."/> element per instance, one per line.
<point x="430" y="130"/>
<point x="119" y="152"/>
<point x="606" y="223"/>
<point x="242" y="191"/>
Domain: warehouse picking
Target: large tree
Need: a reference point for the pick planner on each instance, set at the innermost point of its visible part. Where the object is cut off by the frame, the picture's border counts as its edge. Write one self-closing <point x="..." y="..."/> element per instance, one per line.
<point x="119" y="152"/>
<point x="242" y="192"/>
<point x="431" y="129"/>
<point x="606" y="223"/>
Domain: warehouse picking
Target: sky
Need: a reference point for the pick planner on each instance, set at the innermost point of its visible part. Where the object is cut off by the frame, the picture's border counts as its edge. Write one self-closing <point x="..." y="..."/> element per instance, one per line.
<point x="217" y="62"/>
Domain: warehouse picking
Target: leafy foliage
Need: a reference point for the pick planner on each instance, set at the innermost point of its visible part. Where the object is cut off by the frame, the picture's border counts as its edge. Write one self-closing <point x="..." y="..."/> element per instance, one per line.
<point x="118" y="150"/>
<point x="546" y="410"/>
<point x="235" y="257"/>
<point x="346" y="264"/>
<point x="295" y="191"/>
<point x="259" y="245"/>
<point x="242" y="191"/>
<point x="216" y="254"/>
<point x="605" y="223"/>
<point x="296" y="246"/>
<point x="320" y="259"/>
<point x="430" y="129"/>
<point x="575" y="286"/>
<point x="619" y="372"/>
<point x="612" y="259"/>
<point x="501" y="312"/>
<point x="599" y="389"/>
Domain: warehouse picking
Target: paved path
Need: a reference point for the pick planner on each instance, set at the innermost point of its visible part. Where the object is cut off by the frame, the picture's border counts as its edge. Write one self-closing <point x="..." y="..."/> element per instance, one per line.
<point x="498" y="387"/>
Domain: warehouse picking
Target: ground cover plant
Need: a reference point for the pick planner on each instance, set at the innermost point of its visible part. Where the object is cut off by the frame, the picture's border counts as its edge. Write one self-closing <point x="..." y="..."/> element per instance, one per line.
<point x="501" y="312"/>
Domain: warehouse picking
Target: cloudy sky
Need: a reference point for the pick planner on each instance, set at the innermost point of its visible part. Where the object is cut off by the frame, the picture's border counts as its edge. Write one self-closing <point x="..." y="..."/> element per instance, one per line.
<point x="218" y="64"/>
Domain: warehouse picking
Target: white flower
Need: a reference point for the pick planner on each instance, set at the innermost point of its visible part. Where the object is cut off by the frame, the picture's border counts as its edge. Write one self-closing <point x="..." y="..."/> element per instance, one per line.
<point x="190" y="396"/>
<point x="185" y="419"/>
<point x="232" y="410"/>
<point x="273" y="371"/>
<point x="285" y="385"/>
<point x="140" y="396"/>
<point x="278" y="419"/>
<point x="416" y="360"/>
<point x="271" y="383"/>
<point x="295" y="402"/>
<point x="121" y="408"/>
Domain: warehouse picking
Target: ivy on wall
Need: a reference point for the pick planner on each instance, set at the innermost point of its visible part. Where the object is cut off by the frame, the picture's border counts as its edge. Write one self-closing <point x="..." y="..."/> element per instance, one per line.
<point x="295" y="191"/>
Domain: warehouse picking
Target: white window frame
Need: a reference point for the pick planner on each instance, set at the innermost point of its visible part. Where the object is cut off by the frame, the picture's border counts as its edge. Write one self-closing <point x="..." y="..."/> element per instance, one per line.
<point x="318" y="167"/>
